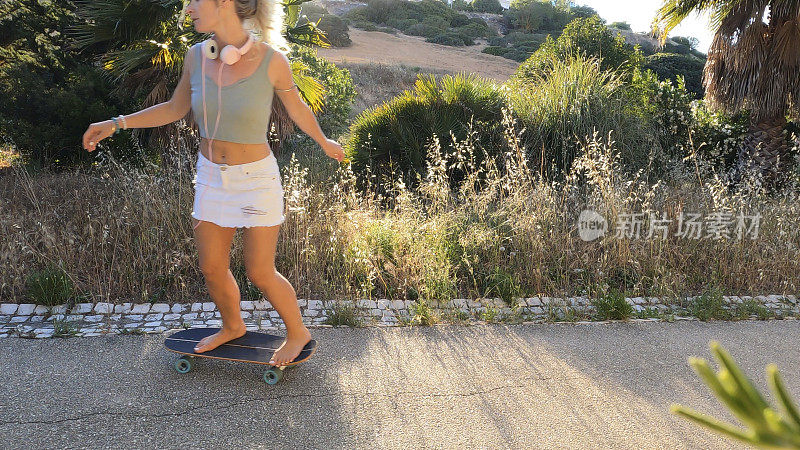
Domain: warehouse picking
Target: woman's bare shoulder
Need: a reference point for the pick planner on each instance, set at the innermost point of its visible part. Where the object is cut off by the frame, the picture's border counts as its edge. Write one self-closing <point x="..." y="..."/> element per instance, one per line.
<point x="188" y="59"/>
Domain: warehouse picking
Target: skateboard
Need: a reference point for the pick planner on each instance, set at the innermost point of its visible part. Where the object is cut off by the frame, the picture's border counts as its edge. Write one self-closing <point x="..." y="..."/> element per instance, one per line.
<point x="253" y="347"/>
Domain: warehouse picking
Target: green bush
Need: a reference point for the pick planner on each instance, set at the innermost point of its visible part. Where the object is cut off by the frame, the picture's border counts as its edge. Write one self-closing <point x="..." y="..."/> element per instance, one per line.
<point x="451" y="39"/>
<point x="475" y="30"/>
<point x="669" y="66"/>
<point x="709" y="305"/>
<point x="536" y="15"/>
<point x="340" y="90"/>
<point x="570" y="100"/>
<point x="494" y="50"/>
<point x="423" y="30"/>
<point x="395" y="136"/>
<point x="612" y="306"/>
<point x="336" y="30"/>
<point x="440" y="23"/>
<point x="498" y="41"/>
<point x="620" y="26"/>
<point x="487" y="6"/>
<point x="589" y="37"/>
<point x="518" y="54"/>
<point x="459" y="20"/>
<point x="718" y="135"/>
<point x="313" y="11"/>
<point x="432" y="19"/>
<point x="49" y="93"/>
<point x="356" y="15"/>
<point x="50" y="287"/>
<point x="503" y="284"/>
<point x="668" y="108"/>
<point x="402" y="24"/>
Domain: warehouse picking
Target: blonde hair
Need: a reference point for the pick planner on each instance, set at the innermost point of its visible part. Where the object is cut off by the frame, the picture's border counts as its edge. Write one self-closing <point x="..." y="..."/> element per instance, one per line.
<point x="265" y="18"/>
<point x="262" y="17"/>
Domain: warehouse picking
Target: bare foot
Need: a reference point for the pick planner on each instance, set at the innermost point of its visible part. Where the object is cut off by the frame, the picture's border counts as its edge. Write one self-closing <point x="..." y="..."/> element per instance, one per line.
<point x="291" y="347"/>
<point x="222" y="336"/>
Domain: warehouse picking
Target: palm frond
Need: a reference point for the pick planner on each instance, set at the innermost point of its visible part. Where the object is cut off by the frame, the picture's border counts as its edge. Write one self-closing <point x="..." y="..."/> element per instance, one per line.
<point x="121" y="20"/>
<point x="307" y="34"/>
<point x="673" y="12"/>
<point x="312" y="91"/>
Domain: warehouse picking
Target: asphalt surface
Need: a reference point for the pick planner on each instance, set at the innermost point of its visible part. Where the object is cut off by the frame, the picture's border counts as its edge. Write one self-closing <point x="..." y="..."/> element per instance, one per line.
<point x="480" y="386"/>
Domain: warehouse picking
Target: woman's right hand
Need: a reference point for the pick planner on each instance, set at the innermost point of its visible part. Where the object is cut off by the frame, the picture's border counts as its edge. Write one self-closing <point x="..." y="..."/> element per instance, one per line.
<point x="96" y="133"/>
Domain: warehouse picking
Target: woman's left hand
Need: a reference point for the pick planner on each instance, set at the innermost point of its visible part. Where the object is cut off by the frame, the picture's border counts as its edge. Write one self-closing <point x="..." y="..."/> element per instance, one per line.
<point x="333" y="149"/>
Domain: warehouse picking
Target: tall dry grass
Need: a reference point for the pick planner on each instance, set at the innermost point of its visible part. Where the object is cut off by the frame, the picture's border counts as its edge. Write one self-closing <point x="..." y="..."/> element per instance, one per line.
<point x="124" y="234"/>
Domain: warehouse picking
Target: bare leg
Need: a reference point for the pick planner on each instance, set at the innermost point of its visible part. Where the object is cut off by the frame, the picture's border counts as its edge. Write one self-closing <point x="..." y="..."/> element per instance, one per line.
<point x="214" y="244"/>
<point x="259" y="257"/>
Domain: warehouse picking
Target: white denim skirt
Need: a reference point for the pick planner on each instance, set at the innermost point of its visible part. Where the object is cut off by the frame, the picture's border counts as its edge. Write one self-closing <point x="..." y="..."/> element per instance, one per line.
<point x="239" y="195"/>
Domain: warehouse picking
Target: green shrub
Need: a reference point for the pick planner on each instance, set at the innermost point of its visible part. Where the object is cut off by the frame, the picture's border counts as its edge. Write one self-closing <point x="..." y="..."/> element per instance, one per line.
<point x="487" y="6"/>
<point x="50" y="93"/>
<point x="620" y="25"/>
<point x="587" y="37"/>
<point x="423" y="30"/>
<point x="50" y="287"/>
<point x="344" y="314"/>
<point x="474" y="30"/>
<point x="460" y="5"/>
<point x="670" y="66"/>
<point x="498" y="41"/>
<point x="494" y="50"/>
<point x="356" y="15"/>
<point x="313" y="11"/>
<point x="395" y="136"/>
<point x="718" y="135"/>
<point x="503" y="284"/>
<point x="668" y="108"/>
<point x="709" y="305"/>
<point x="517" y="55"/>
<point x="440" y="23"/>
<point x="519" y="38"/>
<point x="402" y="24"/>
<point x="423" y="314"/>
<point x="535" y="15"/>
<point x="336" y="30"/>
<point x="451" y="38"/>
<point x="570" y="100"/>
<point x="459" y="20"/>
<point x="340" y="91"/>
<point x="612" y="306"/>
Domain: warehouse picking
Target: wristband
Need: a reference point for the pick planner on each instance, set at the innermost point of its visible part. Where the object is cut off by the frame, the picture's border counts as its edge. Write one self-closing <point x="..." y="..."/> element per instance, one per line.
<point x="124" y="122"/>
<point x="116" y="126"/>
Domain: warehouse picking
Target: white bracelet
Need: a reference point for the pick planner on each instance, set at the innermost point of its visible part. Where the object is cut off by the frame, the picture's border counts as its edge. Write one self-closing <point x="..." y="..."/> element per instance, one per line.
<point x="289" y="89"/>
<point x="124" y="122"/>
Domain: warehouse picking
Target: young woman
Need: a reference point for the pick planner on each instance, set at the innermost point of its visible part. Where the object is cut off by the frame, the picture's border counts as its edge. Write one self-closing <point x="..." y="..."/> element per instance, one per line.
<point x="238" y="181"/>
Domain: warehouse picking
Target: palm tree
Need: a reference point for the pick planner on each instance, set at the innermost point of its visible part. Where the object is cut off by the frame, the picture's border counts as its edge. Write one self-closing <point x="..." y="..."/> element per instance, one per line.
<point x="141" y="49"/>
<point x="753" y="64"/>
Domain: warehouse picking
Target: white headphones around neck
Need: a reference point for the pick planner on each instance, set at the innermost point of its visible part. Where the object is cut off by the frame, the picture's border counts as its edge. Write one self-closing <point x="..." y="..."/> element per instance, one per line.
<point x="230" y="54"/>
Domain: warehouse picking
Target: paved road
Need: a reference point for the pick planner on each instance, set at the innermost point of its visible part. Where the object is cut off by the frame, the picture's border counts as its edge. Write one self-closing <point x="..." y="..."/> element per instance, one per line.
<point x="493" y="386"/>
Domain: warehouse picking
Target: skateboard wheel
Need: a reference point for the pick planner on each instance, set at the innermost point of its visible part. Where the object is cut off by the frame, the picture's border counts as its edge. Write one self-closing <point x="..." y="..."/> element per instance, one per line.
<point x="184" y="365"/>
<point x="273" y="376"/>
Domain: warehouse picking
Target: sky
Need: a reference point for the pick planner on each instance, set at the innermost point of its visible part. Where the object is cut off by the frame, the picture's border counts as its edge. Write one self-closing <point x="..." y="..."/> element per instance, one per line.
<point x="639" y="14"/>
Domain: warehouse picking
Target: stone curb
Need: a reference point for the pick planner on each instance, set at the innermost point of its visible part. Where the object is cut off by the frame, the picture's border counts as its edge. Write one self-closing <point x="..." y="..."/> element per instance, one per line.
<point x="88" y="319"/>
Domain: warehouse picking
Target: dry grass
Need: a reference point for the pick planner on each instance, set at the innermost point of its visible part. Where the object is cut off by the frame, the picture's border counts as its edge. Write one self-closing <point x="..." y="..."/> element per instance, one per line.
<point x="391" y="49"/>
<point x="125" y="235"/>
<point x="377" y="83"/>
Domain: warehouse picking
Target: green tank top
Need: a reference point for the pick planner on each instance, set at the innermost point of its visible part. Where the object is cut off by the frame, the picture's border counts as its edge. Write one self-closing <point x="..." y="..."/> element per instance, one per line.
<point x="246" y="104"/>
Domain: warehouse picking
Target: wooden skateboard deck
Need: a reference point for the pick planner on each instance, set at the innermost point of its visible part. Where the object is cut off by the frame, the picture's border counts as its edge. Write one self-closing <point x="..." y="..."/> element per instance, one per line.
<point x="253" y="347"/>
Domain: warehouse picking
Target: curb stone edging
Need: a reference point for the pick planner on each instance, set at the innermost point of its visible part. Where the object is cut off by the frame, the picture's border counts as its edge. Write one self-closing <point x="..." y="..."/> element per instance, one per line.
<point x="87" y="319"/>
